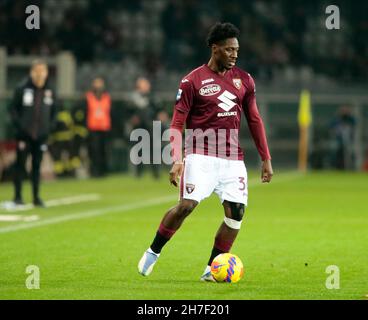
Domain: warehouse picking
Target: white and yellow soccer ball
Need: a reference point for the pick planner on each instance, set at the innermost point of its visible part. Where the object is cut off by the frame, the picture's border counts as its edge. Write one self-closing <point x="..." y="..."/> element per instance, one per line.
<point x="227" y="267"/>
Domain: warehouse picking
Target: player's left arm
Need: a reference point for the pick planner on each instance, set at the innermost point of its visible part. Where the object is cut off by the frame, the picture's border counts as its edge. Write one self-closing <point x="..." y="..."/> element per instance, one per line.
<point x="257" y="130"/>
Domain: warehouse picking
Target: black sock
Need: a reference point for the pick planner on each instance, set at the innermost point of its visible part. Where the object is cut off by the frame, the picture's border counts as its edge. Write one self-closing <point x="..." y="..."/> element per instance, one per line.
<point x="158" y="243"/>
<point x="214" y="254"/>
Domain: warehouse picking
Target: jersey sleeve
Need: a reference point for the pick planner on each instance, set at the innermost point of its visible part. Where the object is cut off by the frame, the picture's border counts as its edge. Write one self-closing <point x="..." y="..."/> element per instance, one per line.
<point x="254" y="120"/>
<point x="176" y="138"/>
<point x="185" y="96"/>
<point x="183" y="104"/>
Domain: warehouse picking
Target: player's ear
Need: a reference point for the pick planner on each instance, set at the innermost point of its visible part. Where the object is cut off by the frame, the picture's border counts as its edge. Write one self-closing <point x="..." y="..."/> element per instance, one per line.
<point x="214" y="48"/>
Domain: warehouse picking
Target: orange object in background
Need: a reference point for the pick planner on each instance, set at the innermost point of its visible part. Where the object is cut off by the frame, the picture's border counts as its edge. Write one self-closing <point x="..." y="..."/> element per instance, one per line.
<point x="98" y="113"/>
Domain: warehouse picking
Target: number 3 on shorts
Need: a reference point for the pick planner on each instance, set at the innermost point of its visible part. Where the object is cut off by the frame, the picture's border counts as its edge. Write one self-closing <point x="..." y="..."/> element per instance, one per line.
<point x="241" y="181"/>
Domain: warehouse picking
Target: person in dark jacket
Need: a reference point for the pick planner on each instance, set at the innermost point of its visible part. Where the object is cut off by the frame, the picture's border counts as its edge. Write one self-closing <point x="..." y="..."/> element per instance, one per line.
<point x="32" y="111"/>
<point x="144" y="112"/>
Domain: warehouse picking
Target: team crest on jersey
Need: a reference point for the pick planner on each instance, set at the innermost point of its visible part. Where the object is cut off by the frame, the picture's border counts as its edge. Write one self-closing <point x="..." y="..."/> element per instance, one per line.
<point x="189" y="187"/>
<point x="237" y="83"/>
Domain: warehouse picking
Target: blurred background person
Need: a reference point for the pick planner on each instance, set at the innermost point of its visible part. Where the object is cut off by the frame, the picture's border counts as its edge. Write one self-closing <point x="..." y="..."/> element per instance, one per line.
<point x="98" y="116"/>
<point x="343" y="133"/>
<point x="32" y="112"/>
<point x="79" y="154"/>
<point x="144" y="112"/>
<point x="165" y="121"/>
<point x="60" y="143"/>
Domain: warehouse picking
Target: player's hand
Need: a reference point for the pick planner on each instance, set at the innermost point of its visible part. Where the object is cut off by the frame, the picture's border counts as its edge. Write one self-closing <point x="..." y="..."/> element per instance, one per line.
<point x="176" y="172"/>
<point x="267" y="171"/>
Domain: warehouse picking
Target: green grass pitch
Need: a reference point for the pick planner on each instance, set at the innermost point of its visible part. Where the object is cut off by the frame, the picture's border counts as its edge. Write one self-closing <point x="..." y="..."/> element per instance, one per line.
<point x="294" y="228"/>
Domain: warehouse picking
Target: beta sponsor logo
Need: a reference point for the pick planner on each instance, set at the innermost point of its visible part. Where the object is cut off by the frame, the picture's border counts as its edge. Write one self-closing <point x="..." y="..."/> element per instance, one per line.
<point x="209" y="90"/>
<point x="227" y="114"/>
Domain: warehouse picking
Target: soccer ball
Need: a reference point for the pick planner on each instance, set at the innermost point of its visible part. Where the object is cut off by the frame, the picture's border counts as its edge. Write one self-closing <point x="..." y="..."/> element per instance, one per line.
<point x="227" y="267"/>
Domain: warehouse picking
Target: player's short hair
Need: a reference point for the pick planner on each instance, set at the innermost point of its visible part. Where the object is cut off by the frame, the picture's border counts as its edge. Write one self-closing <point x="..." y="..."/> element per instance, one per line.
<point x="222" y="31"/>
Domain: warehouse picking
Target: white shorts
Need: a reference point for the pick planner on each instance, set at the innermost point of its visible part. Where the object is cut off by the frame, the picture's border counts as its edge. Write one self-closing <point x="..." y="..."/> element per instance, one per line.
<point x="205" y="174"/>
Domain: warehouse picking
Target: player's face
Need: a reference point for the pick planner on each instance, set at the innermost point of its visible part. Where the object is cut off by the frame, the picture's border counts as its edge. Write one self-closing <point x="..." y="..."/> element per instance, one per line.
<point x="226" y="53"/>
<point x="39" y="74"/>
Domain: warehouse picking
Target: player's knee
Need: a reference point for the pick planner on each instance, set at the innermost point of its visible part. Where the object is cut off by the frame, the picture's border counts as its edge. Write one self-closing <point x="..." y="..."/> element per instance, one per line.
<point x="237" y="214"/>
<point x="237" y="211"/>
<point x="186" y="207"/>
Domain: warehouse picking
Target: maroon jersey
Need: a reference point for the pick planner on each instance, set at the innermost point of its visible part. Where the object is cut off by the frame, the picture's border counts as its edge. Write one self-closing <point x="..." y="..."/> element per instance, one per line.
<point x="211" y="105"/>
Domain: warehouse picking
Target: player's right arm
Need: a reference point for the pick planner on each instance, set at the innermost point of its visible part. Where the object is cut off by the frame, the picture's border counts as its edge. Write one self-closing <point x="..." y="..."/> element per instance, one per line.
<point x="184" y="102"/>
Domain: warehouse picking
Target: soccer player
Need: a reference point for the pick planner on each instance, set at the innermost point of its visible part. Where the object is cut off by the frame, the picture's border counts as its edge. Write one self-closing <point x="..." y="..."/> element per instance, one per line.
<point x="210" y="101"/>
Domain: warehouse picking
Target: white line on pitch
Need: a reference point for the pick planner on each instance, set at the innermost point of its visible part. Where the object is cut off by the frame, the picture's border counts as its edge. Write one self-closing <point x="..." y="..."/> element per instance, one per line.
<point x="122" y="208"/>
<point x="87" y="214"/>
<point x="9" y="206"/>
<point x="17" y="217"/>
<point x="72" y="200"/>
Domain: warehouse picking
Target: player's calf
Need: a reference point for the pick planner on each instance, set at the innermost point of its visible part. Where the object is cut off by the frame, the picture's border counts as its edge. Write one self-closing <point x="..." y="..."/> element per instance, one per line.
<point x="229" y="229"/>
<point x="185" y="208"/>
<point x="168" y="226"/>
